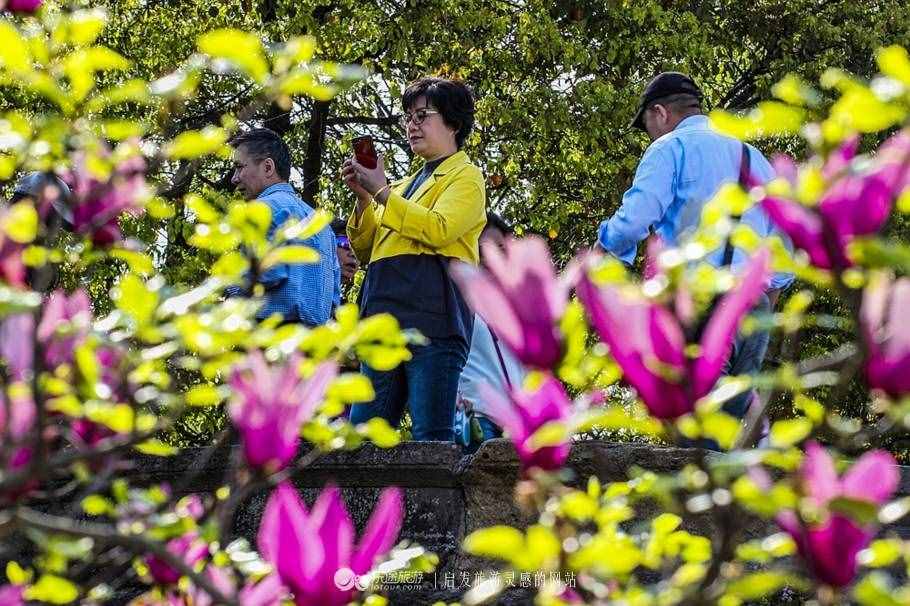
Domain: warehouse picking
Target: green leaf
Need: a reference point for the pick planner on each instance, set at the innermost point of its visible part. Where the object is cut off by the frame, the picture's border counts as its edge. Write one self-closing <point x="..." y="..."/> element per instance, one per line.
<point x="500" y="542"/>
<point x="21" y="222"/>
<point x="758" y="585"/>
<point x="721" y="427"/>
<point x="860" y="511"/>
<point x="195" y="143"/>
<point x="290" y="254"/>
<point x="893" y="61"/>
<point x="578" y="506"/>
<point x="860" y="109"/>
<point x="204" y="395"/>
<point x="241" y="49"/>
<point x="304" y="228"/>
<point x="881" y="553"/>
<point x="14" y="53"/>
<point x="350" y="388"/>
<point x="53" y="590"/>
<point x="790" y="431"/>
<point x="551" y="433"/>
<point x="86" y="25"/>
<point x="139" y="263"/>
<point x="156" y="448"/>
<point x="16" y="575"/>
<point x="134" y="298"/>
<point x="96" y="505"/>
<point x="876" y="590"/>
<point x="378" y="431"/>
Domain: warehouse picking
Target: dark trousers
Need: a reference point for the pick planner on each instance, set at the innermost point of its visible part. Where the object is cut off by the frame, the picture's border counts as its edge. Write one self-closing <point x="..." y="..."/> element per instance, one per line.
<point x="425" y="386"/>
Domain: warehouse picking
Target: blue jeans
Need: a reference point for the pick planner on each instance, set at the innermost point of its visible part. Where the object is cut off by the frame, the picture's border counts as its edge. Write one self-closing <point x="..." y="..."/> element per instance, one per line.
<point x="426" y="385"/>
<point x="746" y="358"/>
<point x="488" y="430"/>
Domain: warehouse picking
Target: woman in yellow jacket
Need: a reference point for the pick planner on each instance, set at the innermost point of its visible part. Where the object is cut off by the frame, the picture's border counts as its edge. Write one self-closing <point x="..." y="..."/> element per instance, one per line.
<point x="408" y="231"/>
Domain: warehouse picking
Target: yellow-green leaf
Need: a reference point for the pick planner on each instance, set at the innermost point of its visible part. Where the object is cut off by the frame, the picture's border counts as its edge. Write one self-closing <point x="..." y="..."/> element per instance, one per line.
<point x="204" y="395"/>
<point x="86" y="26"/>
<point x="195" y="143"/>
<point x="790" y="431"/>
<point x="241" y="49"/>
<point x="14" y="53"/>
<point x="139" y="263"/>
<point x="894" y="62"/>
<point x="501" y="542"/>
<point x="350" y="388"/>
<point x="378" y="431"/>
<point x="881" y="553"/>
<point x="133" y="297"/>
<point x="156" y="448"/>
<point x="290" y="254"/>
<point x="21" y="222"/>
<point x="96" y="505"/>
<point x="16" y="575"/>
<point x="53" y="590"/>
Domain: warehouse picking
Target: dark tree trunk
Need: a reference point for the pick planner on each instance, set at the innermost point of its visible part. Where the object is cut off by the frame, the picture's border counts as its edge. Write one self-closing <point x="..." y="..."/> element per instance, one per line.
<point x="312" y="162"/>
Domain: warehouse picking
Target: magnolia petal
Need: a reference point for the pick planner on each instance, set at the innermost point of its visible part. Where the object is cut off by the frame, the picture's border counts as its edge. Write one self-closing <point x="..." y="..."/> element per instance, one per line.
<point x="381" y="531"/>
<point x="802" y="226"/>
<point x="488" y="301"/>
<point x="722" y="326"/>
<point x="285" y="539"/>
<point x="831" y="550"/>
<point x="874" y="477"/>
<point x="820" y="481"/>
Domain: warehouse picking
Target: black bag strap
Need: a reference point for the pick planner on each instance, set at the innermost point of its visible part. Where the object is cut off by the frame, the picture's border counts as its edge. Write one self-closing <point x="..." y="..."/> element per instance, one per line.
<point x="502" y="361"/>
<point x="744" y="171"/>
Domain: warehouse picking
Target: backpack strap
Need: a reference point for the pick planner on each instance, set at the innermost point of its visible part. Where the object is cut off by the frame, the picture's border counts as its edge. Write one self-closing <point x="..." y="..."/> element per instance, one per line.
<point x="744" y="172"/>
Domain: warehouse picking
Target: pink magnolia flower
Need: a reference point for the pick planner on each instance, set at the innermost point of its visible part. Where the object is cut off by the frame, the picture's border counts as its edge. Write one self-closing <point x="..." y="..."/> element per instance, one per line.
<point x="17" y="346"/>
<point x="12" y="269"/>
<point x="311" y="550"/>
<point x="856" y="203"/>
<point x="12" y="595"/>
<point x="648" y="343"/>
<point x="97" y="205"/>
<point x="524" y="413"/>
<point x="74" y="314"/>
<point x="270" y="404"/>
<point x="189" y="547"/>
<point x="887" y="335"/>
<point x="268" y="591"/>
<point x="519" y="297"/>
<point x="17" y="422"/>
<point x="23" y="6"/>
<point x="829" y="547"/>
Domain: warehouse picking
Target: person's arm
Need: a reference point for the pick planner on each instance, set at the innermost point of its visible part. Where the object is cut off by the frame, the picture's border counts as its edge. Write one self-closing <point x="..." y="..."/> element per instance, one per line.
<point x="459" y="208"/>
<point x="277" y="274"/>
<point x="643" y="204"/>
<point x="319" y="278"/>
<point x="361" y="232"/>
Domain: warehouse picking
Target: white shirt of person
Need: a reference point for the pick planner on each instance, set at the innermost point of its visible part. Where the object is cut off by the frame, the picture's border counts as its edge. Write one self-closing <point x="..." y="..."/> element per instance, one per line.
<point x="484" y="366"/>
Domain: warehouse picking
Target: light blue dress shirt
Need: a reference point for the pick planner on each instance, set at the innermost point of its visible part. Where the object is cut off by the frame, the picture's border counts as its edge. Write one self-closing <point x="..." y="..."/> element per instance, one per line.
<point x="300" y="292"/>
<point x="677" y="175"/>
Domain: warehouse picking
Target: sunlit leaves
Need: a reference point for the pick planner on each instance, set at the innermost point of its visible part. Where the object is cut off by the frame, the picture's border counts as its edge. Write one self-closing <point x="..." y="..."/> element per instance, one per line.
<point x="768" y="119"/>
<point x="241" y="50"/>
<point x="192" y="144"/>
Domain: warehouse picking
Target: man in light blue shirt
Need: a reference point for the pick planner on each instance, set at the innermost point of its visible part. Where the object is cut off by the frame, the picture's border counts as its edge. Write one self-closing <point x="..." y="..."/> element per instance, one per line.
<point x="300" y="292"/>
<point x="683" y="168"/>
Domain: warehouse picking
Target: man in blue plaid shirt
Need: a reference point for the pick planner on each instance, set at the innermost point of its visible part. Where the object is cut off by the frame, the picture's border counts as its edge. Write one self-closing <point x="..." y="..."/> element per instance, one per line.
<point x="300" y="292"/>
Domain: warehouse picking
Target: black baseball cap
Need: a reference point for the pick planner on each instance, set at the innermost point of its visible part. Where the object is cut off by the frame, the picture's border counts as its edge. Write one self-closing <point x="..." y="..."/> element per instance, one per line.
<point x="664" y="85"/>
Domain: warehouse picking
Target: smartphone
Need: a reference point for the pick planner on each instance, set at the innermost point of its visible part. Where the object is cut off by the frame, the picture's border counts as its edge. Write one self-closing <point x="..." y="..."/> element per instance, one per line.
<point x="365" y="151"/>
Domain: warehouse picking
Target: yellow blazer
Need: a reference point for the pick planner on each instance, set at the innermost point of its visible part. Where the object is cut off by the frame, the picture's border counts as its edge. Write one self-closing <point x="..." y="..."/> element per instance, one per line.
<point x="443" y="217"/>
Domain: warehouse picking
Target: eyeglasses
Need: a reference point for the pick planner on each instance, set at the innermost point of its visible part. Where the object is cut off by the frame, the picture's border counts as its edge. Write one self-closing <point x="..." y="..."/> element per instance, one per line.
<point x="417" y="116"/>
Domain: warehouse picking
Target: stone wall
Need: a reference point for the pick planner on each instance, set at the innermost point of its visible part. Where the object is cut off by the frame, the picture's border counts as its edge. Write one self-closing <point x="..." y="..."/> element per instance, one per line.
<point x="447" y="495"/>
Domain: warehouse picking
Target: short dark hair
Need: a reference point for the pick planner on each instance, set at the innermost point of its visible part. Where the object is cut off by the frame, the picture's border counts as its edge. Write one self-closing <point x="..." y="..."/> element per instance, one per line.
<point x="497" y="222"/>
<point x="679" y="102"/>
<point x="262" y="143"/>
<point x="453" y="99"/>
<point x="339" y="227"/>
